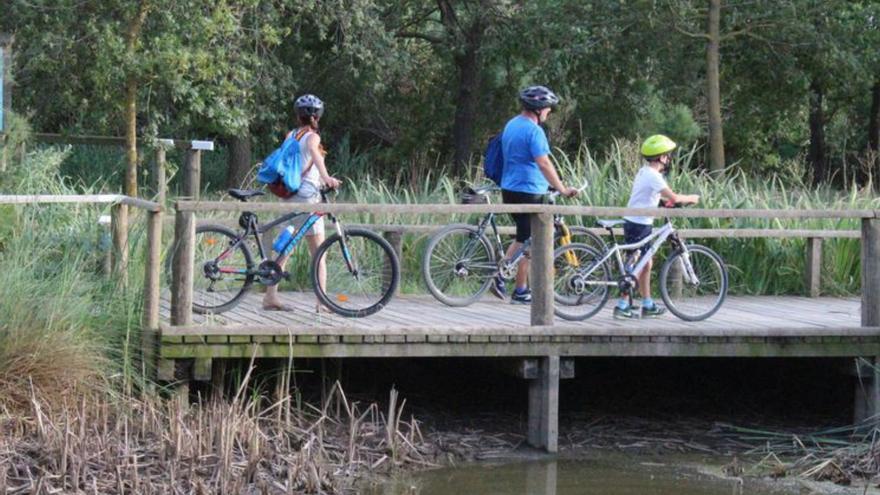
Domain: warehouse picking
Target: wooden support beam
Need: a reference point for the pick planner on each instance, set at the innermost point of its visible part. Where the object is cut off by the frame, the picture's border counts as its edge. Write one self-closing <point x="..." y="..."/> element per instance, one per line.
<point x="192" y="173"/>
<point x="530" y="368"/>
<point x="813" y="267"/>
<point x="541" y="276"/>
<point x="544" y="406"/>
<point x="152" y="290"/>
<point x="218" y="378"/>
<point x="870" y="258"/>
<point x="183" y="252"/>
<point x="202" y="369"/>
<point x="165" y="370"/>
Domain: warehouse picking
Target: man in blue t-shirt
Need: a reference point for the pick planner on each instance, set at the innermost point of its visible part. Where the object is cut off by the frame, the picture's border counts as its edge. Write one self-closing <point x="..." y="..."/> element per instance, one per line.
<point x="527" y="174"/>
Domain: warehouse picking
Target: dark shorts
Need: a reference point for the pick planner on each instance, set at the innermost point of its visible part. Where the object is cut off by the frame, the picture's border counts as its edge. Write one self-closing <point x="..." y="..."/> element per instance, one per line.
<point x="523" y="221"/>
<point x="635" y="232"/>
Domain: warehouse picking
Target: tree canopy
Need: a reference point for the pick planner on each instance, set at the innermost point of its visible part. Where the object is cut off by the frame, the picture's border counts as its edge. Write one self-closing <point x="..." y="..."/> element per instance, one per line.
<point x="414" y="83"/>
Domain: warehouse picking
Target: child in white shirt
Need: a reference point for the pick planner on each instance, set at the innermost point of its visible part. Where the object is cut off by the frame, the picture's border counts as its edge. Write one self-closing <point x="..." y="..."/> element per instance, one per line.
<point x="648" y="187"/>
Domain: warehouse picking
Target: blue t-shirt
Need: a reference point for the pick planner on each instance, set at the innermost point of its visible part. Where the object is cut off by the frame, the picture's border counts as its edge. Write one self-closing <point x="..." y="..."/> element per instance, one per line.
<point x="522" y="142"/>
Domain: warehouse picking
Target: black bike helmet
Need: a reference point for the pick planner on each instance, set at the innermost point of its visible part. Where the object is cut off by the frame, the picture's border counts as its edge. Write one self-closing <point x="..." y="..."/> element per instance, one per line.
<point x="538" y="97"/>
<point x="308" y="106"/>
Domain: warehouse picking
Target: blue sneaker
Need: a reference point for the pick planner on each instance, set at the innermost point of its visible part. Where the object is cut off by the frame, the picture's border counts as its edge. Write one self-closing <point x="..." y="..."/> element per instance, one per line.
<point x="499" y="288"/>
<point x="524" y="297"/>
<point x="653" y="312"/>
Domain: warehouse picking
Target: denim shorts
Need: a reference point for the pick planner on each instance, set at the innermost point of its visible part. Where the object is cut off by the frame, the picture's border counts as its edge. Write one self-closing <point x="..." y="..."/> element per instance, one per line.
<point x="635" y="232"/>
<point x="308" y="193"/>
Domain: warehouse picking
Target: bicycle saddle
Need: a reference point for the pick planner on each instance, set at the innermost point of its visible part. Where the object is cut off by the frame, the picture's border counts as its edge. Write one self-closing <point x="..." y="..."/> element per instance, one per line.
<point x="609" y="223"/>
<point x="244" y="194"/>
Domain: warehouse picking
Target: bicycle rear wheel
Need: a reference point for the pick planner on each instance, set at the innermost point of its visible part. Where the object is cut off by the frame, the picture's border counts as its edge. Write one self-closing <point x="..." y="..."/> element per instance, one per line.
<point x="222" y="269"/>
<point x="580" y="283"/>
<point x="696" y="295"/>
<point x="458" y="265"/>
<point x="362" y="273"/>
<point x="582" y="235"/>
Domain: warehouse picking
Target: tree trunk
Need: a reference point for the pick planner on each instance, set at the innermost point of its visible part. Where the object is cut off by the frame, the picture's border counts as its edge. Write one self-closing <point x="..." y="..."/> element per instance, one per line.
<point x="817" y="156"/>
<point x="874" y="122"/>
<point x="239" y="162"/>
<point x="131" y="153"/>
<point x="131" y="87"/>
<point x="466" y="106"/>
<point x="713" y="48"/>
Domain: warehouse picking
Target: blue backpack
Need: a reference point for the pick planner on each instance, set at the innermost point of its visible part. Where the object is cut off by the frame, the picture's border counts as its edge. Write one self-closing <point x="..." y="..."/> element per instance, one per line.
<point x="282" y="170"/>
<point x="493" y="162"/>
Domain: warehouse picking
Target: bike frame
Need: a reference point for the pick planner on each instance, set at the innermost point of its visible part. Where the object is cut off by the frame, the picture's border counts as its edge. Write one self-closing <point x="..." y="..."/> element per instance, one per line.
<point x="656" y="239"/>
<point x="257" y="230"/>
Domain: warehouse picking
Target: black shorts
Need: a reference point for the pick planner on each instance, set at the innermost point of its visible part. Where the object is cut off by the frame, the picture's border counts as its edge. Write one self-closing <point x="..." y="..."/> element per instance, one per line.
<point x="523" y="221"/>
<point x="635" y="232"/>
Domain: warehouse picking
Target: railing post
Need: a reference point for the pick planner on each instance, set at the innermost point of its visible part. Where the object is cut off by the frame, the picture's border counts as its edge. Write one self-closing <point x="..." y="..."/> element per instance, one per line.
<point x="192" y="172"/>
<point x="153" y="267"/>
<point x="159" y="180"/>
<point x="119" y="227"/>
<point x="182" y="268"/>
<point x="870" y="272"/>
<point x="870" y="258"/>
<point x="543" y="422"/>
<point x="813" y="268"/>
<point x="541" y="276"/>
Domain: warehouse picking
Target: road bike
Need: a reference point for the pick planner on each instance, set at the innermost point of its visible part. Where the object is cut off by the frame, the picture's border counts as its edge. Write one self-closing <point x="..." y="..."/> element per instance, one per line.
<point x="461" y="260"/>
<point x="693" y="280"/>
<point x="362" y="269"/>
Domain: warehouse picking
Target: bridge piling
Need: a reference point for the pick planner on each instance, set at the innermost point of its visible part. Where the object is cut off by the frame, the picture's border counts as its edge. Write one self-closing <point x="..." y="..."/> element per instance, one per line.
<point x="543" y="420"/>
<point x="869" y="393"/>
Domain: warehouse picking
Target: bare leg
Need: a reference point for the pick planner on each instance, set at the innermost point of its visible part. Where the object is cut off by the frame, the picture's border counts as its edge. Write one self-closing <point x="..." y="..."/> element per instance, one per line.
<point x="314" y="241"/>
<point x="645" y="280"/>
<point x="271" y="299"/>
<point x="522" y="269"/>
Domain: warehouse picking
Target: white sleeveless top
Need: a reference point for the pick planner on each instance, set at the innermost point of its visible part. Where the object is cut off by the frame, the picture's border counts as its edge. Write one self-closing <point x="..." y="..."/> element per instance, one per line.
<point x="311" y="173"/>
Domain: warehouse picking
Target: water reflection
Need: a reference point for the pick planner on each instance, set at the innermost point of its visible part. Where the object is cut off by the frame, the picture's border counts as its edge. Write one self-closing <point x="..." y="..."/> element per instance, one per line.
<point x="541" y="478"/>
<point x="629" y="476"/>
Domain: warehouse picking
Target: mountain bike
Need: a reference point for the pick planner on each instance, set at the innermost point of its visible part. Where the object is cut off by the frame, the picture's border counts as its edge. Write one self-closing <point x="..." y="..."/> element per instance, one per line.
<point x="362" y="269"/>
<point x="693" y="279"/>
<point x="461" y="260"/>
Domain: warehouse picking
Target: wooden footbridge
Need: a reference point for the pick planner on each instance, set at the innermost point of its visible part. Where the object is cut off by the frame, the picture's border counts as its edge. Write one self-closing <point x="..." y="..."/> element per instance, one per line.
<point x="418" y="326"/>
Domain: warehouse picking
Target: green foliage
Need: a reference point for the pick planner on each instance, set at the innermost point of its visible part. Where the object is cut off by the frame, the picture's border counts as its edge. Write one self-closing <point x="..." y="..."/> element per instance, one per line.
<point x="390" y="72"/>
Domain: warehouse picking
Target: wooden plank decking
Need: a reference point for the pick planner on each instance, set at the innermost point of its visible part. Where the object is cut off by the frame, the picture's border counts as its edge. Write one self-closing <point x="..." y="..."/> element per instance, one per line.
<point x="414" y="326"/>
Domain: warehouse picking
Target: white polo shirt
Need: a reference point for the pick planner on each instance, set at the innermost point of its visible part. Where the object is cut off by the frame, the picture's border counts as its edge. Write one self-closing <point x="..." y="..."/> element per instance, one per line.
<point x="646" y="193"/>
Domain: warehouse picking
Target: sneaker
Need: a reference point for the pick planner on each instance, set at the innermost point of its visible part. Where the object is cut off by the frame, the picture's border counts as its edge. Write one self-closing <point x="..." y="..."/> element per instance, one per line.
<point x="652" y="312"/>
<point x="521" y="297"/>
<point x="623" y="314"/>
<point x="499" y="288"/>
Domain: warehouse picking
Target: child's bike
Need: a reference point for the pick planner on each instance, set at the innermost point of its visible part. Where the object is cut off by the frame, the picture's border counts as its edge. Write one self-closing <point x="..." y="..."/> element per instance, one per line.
<point x="693" y="279"/>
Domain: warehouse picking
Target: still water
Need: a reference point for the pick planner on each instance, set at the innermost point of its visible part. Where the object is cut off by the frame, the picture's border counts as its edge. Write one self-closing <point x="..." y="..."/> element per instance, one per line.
<point x="566" y="477"/>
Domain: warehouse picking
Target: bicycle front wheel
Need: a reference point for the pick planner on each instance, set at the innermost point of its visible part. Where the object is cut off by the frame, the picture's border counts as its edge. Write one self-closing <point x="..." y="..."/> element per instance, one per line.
<point x="362" y="273"/>
<point x="580" y="282"/>
<point x="222" y="269"/>
<point x="694" y="286"/>
<point x="458" y="265"/>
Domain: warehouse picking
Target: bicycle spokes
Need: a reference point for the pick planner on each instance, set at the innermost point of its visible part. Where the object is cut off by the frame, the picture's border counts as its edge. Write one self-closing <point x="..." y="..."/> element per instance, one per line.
<point x="355" y="276"/>
<point x="694" y="284"/>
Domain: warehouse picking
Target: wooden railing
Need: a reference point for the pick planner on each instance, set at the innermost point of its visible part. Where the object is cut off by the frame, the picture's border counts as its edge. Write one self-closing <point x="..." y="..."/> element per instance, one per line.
<point x="119" y="252"/>
<point x="542" y="240"/>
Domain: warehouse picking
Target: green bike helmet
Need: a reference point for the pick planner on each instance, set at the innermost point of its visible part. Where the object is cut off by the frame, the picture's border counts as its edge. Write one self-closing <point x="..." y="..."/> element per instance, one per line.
<point x="657" y="145"/>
